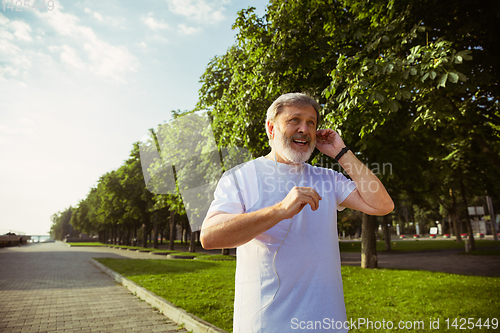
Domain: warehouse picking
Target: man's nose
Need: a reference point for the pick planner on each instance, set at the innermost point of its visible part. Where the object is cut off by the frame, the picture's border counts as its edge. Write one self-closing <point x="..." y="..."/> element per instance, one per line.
<point x="303" y="127"/>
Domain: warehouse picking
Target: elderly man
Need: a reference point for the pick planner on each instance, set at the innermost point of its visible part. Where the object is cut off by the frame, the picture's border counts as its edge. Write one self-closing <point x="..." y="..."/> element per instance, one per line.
<point x="281" y="214"/>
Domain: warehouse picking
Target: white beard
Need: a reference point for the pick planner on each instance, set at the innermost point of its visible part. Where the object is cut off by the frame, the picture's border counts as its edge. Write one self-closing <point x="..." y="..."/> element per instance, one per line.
<point x="283" y="146"/>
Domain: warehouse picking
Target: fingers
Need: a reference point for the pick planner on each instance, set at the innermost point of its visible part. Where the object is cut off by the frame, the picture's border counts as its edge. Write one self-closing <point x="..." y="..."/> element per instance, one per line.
<point x="326" y="135"/>
<point x="312" y="197"/>
<point x="301" y="196"/>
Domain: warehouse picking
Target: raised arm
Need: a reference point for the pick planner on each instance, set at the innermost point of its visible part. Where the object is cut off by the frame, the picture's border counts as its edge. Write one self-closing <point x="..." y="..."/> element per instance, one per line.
<point x="370" y="196"/>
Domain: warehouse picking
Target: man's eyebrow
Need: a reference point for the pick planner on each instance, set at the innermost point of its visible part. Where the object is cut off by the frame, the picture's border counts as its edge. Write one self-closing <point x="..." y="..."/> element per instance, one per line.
<point x="300" y="114"/>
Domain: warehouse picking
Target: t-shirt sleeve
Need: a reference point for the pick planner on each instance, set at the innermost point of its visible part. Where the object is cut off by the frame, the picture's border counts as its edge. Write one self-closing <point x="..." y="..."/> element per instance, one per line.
<point x="343" y="187"/>
<point x="227" y="196"/>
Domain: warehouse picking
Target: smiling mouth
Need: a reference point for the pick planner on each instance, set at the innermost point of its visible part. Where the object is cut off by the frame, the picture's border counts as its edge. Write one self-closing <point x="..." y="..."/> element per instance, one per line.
<point x="300" y="142"/>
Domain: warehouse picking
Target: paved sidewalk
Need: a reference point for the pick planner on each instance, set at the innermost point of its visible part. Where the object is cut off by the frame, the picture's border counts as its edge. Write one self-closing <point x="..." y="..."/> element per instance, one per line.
<point x="447" y="261"/>
<point x="54" y="288"/>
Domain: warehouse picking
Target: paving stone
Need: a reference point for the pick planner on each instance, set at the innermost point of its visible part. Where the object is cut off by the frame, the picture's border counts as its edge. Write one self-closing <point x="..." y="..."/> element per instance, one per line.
<point x="54" y="288"/>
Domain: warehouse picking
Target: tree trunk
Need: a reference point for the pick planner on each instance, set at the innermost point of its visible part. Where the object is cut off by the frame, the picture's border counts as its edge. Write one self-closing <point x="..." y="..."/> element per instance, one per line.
<point x="113" y="234"/>
<point x="472" y="243"/>
<point x="493" y="220"/>
<point x="192" y="242"/>
<point x="172" y="231"/>
<point x="127" y="239"/>
<point x="155" y="232"/>
<point x="450" y="224"/>
<point x="225" y="252"/>
<point x="387" y="232"/>
<point x="368" y="242"/>
<point x="454" y="216"/>
<point x="405" y="214"/>
<point x="144" y="236"/>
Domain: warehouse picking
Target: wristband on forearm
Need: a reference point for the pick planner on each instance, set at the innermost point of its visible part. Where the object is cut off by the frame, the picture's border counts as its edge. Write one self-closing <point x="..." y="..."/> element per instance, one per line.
<point x="342" y="152"/>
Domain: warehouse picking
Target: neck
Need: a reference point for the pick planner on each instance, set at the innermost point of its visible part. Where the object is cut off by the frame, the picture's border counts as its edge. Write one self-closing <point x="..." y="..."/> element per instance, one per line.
<point x="274" y="156"/>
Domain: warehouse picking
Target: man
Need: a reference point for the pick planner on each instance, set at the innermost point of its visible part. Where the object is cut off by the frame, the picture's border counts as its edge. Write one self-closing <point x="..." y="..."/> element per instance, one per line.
<point x="281" y="214"/>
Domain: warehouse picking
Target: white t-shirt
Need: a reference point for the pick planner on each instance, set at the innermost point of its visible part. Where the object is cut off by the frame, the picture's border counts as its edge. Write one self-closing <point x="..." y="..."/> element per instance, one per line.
<point x="307" y="266"/>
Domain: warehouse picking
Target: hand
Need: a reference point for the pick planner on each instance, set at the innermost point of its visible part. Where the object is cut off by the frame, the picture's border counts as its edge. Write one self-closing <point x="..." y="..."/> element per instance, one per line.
<point x="329" y="142"/>
<point x="297" y="199"/>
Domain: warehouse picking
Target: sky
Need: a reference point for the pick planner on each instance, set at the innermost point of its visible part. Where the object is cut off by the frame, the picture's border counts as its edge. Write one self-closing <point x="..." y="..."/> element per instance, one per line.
<point x="80" y="83"/>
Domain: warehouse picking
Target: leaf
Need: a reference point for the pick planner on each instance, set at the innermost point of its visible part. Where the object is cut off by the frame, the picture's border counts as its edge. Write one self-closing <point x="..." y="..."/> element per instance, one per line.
<point x="453" y="77"/>
<point x="462" y="77"/>
<point x="442" y="80"/>
<point x="432" y="75"/>
<point x="394" y="106"/>
<point x="379" y="97"/>
<point x="406" y="94"/>
<point x="405" y="74"/>
<point x="426" y="75"/>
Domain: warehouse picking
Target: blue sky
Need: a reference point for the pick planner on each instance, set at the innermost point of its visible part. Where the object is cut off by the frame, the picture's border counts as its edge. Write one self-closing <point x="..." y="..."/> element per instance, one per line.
<point x="81" y="83"/>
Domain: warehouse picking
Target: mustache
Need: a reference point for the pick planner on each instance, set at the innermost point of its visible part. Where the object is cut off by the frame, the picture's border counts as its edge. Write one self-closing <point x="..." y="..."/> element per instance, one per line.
<point x="301" y="137"/>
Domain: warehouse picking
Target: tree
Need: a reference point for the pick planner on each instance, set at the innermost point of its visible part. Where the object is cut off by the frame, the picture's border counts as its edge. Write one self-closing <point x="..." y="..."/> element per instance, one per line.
<point x="411" y="84"/>
<point x="440" y="66"/>
<point x="61" y="227"/>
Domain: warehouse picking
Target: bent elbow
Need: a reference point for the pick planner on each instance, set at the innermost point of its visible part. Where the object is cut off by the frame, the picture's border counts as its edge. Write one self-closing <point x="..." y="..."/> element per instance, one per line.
<point x="388" y="208"/>
<point x="205" y="241"/>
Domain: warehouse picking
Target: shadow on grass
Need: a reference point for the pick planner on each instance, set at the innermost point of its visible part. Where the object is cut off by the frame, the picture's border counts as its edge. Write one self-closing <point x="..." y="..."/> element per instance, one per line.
<point x="135" y="267"/>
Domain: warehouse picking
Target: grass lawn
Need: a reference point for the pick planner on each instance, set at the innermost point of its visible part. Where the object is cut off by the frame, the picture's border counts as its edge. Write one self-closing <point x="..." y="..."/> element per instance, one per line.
<point x="420" y="245"/>
<point x="206" y="289"/>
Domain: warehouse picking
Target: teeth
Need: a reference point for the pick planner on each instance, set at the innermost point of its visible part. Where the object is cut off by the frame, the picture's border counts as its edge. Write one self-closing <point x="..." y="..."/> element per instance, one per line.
<point x="300" y="141"/>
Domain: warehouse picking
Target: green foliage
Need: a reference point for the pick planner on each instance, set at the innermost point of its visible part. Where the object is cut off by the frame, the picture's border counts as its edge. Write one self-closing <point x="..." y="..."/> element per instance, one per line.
<point x="61" y="225"/>
<point x="412" y="84"/>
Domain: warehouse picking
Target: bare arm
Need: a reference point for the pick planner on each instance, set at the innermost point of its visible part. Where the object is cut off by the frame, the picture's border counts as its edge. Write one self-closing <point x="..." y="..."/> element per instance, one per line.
<point x="221" y="230"/>
<point x="370" y="196"/>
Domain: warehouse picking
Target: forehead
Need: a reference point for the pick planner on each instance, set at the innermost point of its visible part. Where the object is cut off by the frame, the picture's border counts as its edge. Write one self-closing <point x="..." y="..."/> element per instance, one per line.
<point x="294" y="111"/>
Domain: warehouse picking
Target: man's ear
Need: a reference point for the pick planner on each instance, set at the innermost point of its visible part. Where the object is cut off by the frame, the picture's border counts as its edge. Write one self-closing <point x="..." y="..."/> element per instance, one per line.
<point x="270" y="128"/>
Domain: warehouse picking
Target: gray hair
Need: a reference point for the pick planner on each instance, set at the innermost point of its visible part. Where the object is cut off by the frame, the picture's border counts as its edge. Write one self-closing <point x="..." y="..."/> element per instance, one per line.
<point x="300" y="100"/>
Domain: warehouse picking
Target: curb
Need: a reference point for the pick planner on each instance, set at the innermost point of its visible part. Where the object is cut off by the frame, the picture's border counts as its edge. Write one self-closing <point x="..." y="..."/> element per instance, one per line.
<point x="176" y="314"/>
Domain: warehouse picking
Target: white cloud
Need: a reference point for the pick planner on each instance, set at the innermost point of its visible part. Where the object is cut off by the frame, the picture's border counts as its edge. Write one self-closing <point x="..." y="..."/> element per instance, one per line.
<point x="185" y="30"/>
<point x="202" y="11"/>
<point x="143" y="46"/>
<point x="22" y="30"/>
<point x="16" y="61"/>
<point x="103" y="59"/>
<point x="69" y="56"/>
<point x="96" y="15"/>
<point x="3" y="19"/>
<point x="153" y="23"/>
<point x="109" y="60"/>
